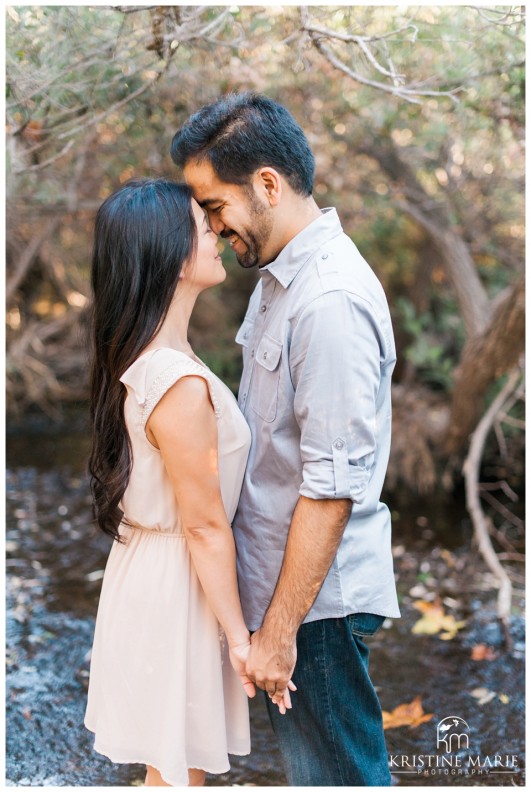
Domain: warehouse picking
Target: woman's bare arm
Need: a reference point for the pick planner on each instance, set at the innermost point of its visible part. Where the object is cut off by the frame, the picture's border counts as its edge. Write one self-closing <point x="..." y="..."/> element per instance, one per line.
<point x="183" y="426"/>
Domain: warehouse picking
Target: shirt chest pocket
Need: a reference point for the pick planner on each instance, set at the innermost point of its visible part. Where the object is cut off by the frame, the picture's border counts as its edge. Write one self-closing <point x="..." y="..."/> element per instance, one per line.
<point x="266" y="378"/>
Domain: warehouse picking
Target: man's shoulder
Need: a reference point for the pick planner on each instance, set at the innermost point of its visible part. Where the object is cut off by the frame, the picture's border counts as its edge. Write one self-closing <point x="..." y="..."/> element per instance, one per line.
<point x="338" y="265"/>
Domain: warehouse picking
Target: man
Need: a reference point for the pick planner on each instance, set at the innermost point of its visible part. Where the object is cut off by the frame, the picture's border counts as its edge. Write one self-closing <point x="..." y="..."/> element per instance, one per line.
<point x="313" y="540"/>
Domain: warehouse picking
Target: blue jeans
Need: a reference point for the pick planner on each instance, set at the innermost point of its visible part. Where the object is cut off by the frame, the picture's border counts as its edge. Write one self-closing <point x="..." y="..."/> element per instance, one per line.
<point x="334" y="735"/>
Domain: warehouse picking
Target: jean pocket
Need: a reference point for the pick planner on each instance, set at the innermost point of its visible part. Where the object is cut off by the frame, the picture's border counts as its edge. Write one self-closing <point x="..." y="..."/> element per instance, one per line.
<point x="266" y="378"/>
<point x="363" y="624"/>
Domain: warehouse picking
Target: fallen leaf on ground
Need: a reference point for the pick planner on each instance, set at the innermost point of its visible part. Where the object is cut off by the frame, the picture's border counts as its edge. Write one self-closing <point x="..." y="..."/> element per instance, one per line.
<point x="448" y="557"/>
<point x="93" y="577"/>
<point x="450" y="602"/>
<point x="483" y="652"/>
<point x="410" y="714"/>
<point x="483" y="695"/>
<point x="504" y="698"/>
<point x="435" y="620"/>
<point x="419" y="590"/>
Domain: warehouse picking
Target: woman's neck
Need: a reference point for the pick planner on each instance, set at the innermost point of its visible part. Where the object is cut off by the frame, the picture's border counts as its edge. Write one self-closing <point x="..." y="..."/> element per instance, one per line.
<point x="174" y="330"/>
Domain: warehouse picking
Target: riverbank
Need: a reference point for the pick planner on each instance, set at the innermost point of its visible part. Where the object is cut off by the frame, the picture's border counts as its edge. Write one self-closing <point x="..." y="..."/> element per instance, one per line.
<point x="55" y="566"/>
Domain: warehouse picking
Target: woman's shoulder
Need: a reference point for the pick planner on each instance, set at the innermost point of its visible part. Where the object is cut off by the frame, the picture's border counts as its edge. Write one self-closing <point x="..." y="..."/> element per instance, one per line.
<point x="157" y="370"/>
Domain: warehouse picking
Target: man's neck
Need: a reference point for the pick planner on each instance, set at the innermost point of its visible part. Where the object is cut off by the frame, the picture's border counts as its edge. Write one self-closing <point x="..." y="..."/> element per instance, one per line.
<point x="295" y="217"/>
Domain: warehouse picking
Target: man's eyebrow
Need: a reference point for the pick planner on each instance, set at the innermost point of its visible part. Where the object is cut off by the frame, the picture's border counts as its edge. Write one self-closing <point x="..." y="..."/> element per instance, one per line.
<point x="209" y="201"/>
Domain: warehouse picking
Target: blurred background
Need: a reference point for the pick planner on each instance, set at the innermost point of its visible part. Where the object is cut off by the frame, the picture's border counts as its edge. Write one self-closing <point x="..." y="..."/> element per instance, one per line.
<point x="416" y="118"/>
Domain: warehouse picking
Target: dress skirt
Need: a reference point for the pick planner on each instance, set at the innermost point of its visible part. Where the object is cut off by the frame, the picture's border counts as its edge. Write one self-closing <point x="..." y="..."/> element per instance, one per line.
<point x="162" y="690"/>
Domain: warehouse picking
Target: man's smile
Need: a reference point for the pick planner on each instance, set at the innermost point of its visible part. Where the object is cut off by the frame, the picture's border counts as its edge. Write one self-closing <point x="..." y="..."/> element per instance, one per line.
<point x="233" y="240"/>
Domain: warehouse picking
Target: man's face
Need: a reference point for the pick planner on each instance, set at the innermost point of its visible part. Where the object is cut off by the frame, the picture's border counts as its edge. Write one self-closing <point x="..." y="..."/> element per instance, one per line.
<point x="235" y="212"/>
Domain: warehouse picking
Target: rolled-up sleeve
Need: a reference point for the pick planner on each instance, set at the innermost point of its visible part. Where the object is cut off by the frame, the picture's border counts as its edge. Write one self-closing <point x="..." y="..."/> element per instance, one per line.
<point x="335" y="354"/>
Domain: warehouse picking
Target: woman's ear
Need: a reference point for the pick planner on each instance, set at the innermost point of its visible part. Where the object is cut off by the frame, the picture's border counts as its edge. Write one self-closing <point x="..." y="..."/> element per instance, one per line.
<point x="183" y="274"/>
<point x="268" y="183"/>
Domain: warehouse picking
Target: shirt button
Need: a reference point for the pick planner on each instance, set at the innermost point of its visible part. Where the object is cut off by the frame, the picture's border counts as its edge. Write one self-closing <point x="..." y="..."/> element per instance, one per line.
<point x="339" y="444"/>
<point x="263" y="308"/>
<point x="324" y="256"/>
<point x="252" y="352"/>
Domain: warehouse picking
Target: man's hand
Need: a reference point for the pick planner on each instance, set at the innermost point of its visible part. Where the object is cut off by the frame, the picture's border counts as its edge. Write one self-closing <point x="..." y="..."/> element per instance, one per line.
<point x="270" y="664"/>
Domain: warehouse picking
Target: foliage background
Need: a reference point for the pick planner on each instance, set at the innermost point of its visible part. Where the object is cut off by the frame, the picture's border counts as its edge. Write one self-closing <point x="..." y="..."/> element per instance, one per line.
<point x="416" y="117"/>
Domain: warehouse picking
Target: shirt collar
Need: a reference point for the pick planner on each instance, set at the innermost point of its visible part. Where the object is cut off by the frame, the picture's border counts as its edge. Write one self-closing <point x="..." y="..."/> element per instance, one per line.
<point x="297" y="252"/>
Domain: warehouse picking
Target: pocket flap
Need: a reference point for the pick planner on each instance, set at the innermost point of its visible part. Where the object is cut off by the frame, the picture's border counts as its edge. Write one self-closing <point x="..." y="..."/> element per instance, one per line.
<point x="244" y="333"/>
<point x="268" y="353"/>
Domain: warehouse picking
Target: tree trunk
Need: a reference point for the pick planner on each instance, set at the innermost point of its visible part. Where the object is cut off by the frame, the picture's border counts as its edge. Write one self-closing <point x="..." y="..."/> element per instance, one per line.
<point x="485" y="358"/>
<point x="433" y="217"/>
<point x="495" y="329"/>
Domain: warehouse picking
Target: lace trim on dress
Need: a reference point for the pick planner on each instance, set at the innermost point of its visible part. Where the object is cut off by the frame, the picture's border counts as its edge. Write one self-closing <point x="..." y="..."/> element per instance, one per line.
<point x="169" y="377"/>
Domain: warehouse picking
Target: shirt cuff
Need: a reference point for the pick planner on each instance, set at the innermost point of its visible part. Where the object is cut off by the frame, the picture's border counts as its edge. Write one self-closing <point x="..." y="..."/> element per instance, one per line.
<point x="336" y="478"/>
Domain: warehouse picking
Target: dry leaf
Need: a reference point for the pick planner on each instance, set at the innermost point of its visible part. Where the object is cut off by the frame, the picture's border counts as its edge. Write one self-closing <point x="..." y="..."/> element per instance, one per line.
<point x="483" y="652"/>
<point x="410" y="714"/>
<point x="448" y="557"/>
<point x="483" y="695"/>
<point x="451" y="602"/>
<point x="504" y="698"/>
<point x="435" y="621"/>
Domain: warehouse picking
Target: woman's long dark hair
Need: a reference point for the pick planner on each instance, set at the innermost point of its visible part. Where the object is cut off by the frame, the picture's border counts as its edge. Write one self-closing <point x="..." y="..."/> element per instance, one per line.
<point x="144" y="234"/>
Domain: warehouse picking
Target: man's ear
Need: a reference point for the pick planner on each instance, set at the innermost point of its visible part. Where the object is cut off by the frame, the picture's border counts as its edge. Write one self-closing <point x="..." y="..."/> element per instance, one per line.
<point x="268" y="184"/>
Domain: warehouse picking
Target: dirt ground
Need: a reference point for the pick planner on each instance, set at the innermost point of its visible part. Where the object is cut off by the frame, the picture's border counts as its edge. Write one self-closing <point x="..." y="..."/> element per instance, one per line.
<point x="55" y="563"/>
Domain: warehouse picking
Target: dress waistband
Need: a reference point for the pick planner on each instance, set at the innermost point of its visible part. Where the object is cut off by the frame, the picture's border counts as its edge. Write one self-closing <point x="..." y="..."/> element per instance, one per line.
<point x="153" y="531"/>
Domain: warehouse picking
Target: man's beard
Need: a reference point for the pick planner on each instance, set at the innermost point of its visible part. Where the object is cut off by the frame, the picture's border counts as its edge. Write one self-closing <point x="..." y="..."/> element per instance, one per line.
<point x="255" y="240"/>
<point x="251" y="255"/>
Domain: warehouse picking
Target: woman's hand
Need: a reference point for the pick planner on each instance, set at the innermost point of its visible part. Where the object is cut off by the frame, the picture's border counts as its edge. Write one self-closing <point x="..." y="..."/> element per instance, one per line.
<point x="238" y="658"/>
<point x="283" y="700"/>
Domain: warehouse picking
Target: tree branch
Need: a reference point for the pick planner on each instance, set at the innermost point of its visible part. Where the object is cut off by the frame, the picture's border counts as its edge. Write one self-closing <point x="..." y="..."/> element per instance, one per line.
<point x="112" y="109"/>
<point x="31" y="168"/>
<point x="398" y="87"/>
<point x="28" y="256"/>
<point x="514" y="15"/>
<point x="480" y="522"/>
<point x="360" y="39"/>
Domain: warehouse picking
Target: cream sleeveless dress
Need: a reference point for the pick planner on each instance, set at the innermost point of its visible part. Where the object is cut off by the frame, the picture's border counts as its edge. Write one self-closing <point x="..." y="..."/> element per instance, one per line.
<point x="162" y="691"/>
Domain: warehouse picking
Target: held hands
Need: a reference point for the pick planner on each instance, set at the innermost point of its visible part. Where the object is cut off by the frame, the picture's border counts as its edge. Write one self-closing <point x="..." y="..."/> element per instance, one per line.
<point x="238" y="656"/>
<point x="270" y="663"/>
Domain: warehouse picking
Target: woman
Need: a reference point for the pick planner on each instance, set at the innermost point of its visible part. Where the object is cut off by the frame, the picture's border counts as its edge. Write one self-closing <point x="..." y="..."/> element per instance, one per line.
<point x="167" y="686"/>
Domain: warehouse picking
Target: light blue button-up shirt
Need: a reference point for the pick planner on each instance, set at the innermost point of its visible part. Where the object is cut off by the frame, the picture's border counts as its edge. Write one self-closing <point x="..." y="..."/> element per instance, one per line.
<point x="318" y="355"/>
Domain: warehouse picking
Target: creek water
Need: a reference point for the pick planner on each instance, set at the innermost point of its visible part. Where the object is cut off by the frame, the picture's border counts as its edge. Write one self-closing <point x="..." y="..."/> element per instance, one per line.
<point x="55" y="563"/>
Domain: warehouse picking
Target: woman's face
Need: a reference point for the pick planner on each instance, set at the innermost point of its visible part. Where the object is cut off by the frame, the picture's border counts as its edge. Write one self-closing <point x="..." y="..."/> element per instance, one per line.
<point x="206" y="269"/>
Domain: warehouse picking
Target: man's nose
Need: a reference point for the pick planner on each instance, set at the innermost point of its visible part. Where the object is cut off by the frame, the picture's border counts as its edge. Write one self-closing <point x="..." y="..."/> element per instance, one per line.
<point x="215" y="224"/>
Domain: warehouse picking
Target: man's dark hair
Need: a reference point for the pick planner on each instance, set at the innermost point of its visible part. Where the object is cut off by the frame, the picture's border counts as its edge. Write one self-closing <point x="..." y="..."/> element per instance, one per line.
<point x="242" y="132"/>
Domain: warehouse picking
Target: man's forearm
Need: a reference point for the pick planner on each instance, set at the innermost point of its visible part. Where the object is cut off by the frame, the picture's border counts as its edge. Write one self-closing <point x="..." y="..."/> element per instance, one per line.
<point x="315" y="533"/>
